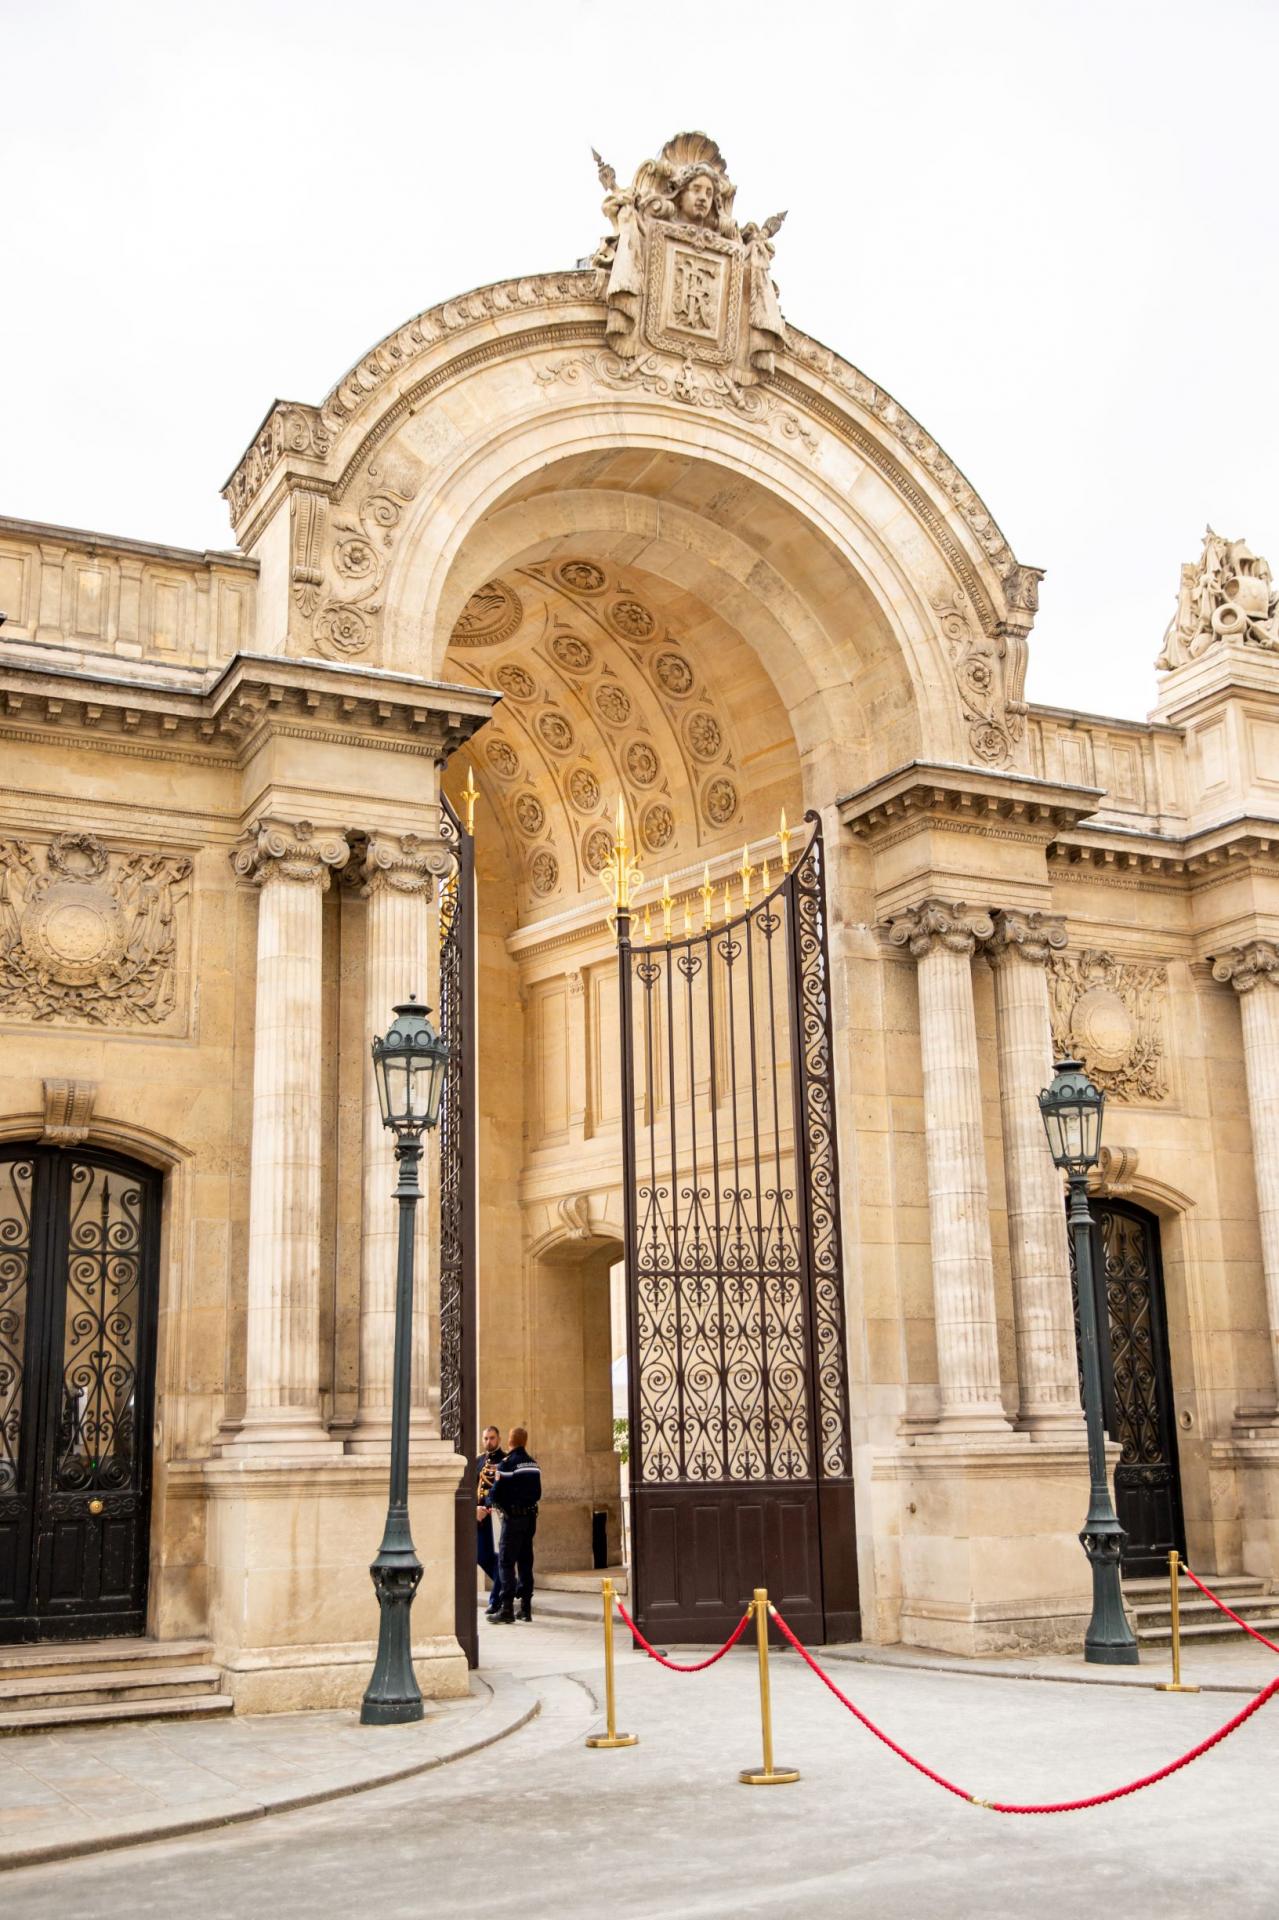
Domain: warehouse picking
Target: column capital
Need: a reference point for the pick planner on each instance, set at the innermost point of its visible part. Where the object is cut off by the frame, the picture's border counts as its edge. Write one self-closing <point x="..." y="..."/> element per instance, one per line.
<point x="1244" y="966"/>
<point x="951" y="925"/>
<point x="403" y="863"/>
<point x="274" y="849"/>
<point x="1032" y="937"/>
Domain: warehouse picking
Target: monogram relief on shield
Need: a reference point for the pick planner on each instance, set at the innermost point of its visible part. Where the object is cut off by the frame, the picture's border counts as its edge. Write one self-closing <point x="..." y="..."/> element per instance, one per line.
<point x="694" y="295"/>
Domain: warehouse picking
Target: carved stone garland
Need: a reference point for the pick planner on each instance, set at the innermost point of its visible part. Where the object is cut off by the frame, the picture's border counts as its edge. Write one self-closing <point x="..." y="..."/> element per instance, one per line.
<point x="1109" y="1014"/>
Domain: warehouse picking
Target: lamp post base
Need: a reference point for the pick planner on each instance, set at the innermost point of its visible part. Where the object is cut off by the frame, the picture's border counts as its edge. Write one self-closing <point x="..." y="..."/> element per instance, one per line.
<point x="394" y="1696"/>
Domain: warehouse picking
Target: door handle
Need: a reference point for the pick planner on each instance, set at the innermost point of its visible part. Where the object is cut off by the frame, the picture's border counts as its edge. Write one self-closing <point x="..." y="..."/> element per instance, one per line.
<point x="95" y="1506"/>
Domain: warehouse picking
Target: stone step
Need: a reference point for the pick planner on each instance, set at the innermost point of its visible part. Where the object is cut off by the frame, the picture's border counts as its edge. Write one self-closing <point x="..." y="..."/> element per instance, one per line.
<point x="106" y="1687"/>
<point x="1252" y="1607"/>
<point x="1221" y="1629"/>
<point x="587" y="1581"/>
<point x="1223" y="1583"/>
<point x="92" y="1656"/>
<point x="33" y="1719"/>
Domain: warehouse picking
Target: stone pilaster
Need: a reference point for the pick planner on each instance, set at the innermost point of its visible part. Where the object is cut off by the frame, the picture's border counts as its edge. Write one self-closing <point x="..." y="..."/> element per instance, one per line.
<point x="943" y="937"/>
<point x="290" y="865"/>
<point x="399" y="876"/>
<point x="1253" y="971"/>
<point x="1047" y="1368"/>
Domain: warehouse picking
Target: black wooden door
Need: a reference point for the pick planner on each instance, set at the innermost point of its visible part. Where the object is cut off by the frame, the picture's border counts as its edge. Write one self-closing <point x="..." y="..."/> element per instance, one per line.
<point x="740" y="1454"/>
<point x="78" y="1263"/>
<point x="1137" y="1383"/>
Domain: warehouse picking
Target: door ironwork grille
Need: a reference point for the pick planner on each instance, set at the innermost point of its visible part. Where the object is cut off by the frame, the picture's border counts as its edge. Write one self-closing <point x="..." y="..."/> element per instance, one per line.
<point x="1136" y="1382"/>
<point x="740" y="1455"/>
<point x="78" y="1240"/>
<point x="457" y="1172"/>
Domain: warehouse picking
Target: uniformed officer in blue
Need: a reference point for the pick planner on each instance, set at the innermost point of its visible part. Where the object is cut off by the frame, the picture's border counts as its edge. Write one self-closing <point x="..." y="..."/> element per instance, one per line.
<point x="516" y="1494"/>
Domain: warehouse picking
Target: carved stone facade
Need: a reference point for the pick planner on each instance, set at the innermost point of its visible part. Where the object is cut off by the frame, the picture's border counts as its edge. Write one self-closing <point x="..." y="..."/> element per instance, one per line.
<point x="89" y="936"/>
<point x="1110" y="1014"/>
<point x="1227" y="596"/>
<point x="625" y="533"/>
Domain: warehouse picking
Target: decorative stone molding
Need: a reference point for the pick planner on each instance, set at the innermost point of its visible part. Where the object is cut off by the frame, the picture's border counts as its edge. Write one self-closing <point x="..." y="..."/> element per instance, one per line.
<point x="1033" y="937"/>
<point x="93" y="937"/>
<point x="1109" y="1014"/>
<point x="677" y="274"/>
<point x="575" y="1215"/>
<point x="1226" y="596"/>
<point x="668" y="379"/>
<point x="306" y="543"/>
<point x="289" y="428"/>
<point x="953" y="925"/>
<point x="989" y="672"/>
<point x="403" y="863"/>
<point x="68" y="1111"/>
<point x="279" y="850"/>
<point x="1115" y="1171"/>
<point x="1244" y="967"/>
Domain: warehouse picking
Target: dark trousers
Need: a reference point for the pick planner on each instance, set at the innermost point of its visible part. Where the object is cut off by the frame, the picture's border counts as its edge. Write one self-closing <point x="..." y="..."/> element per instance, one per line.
<point x="487" y="1559"/>
<point x="515" y="1560"/>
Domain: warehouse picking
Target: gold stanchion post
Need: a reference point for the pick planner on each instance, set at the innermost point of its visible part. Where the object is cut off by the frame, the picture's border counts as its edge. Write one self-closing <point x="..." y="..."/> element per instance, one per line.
<point x="610" y="1737"/>
<point x="1174" y="1575"/>
<point x="768" y="1775"/>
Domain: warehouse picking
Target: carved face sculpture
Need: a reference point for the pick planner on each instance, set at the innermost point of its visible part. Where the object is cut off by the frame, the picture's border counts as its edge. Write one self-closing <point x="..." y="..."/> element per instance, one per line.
<point x="696" y="202"/>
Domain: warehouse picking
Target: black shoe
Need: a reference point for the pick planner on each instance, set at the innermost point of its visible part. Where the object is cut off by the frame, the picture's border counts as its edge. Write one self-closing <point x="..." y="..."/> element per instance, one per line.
<point x="503" y="1619"/>
<point x="525" y="1615"/>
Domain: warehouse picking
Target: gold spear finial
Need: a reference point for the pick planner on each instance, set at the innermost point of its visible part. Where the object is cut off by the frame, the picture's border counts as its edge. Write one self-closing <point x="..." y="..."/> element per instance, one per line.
<point x="470" y="794"/>
<point x="728" y="904"/>
<point x="783" y="835"/>
<point x="746" y="870"/>
<point x="648" y="927"/>
<point x="667" y="903"/>
<point x="764" y="875"/>
<point x="619" y="876"/>
<point x="708" y="898"/>
<point x="688" y="919"/>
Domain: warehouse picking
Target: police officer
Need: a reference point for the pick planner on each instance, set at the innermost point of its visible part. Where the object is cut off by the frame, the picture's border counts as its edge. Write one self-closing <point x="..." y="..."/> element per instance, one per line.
<point x="516" y="1494"/>
<point x="485" y="1547"/>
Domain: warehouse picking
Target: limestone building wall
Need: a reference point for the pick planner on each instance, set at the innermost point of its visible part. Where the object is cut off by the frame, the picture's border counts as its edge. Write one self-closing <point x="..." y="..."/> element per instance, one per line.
<point x="579" y="574"/>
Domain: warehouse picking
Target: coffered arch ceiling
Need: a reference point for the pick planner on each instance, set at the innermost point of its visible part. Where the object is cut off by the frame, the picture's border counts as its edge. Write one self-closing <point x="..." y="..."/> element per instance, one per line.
<point x="617" y="681"/>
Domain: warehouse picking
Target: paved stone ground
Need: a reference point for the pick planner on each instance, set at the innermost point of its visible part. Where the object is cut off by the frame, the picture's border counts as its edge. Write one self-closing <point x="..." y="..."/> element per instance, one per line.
<point x="539" y="1826"/>
<point x="81" y="1787"/>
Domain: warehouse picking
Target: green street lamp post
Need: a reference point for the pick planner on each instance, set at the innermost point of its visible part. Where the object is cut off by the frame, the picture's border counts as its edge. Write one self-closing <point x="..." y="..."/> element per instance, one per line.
<point x="1072" y="1108"/>
<point x="409" y="1067"/>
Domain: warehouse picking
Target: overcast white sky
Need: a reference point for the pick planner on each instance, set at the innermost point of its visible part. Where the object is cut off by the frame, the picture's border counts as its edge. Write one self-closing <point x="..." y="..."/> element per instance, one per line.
<point x="1049" y="229"/>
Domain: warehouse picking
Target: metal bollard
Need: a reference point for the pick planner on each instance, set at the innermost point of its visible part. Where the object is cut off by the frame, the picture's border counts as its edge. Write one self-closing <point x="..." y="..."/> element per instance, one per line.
<point x="768" y="1775"/>
<point x="611" y="1737"/>
<point x="1174" y="1685"/>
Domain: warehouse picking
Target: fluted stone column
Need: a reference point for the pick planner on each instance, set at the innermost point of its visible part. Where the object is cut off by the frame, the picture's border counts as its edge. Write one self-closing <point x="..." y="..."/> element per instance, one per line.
<point x="399" y="876"/>
<point x="943" y="936"/>
<point x="1253" y="971"/>
<point x="1047" y="1368"/>
<point x="289" y="862"/>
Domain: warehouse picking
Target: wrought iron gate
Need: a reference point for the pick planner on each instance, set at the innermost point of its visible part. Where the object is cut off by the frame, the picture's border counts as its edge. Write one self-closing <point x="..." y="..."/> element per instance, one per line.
<point x="78" y="1259"/>
<point x="740" y="1459"/>
<point x="1136" y="1382"/>
<point x="457" y="1172"/>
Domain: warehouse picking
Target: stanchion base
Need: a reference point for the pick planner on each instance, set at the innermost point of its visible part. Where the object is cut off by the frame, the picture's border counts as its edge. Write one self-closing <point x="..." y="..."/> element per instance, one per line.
<point x="778" y="1777"/>
<point x="1174" y="1686"/>
<point x="612" y="1740"/>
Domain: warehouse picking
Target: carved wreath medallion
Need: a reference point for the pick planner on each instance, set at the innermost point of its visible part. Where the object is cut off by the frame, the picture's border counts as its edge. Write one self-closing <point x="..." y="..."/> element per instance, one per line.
<point x="1109" y="1014"/>
<point x="89" y="938"/>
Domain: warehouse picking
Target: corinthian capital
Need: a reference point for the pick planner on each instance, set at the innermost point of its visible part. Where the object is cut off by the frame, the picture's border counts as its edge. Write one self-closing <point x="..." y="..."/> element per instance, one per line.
<point x="950" y="924"/>
<point x="403" y="863"/>
<point x="1025" y="936"/>
<point x="274" y="850"/>
<point x="1244" y="966"/>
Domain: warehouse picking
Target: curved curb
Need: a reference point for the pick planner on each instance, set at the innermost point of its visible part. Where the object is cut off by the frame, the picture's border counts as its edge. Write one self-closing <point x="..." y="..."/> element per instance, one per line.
<point x="511" y="1705"/>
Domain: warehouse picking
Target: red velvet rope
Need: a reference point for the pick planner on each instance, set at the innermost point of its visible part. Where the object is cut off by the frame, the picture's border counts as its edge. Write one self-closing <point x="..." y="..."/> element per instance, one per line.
<point x="1056" y="1806"/>
<point x="1217" y="1602"/>
<point x="699" y="1666"/>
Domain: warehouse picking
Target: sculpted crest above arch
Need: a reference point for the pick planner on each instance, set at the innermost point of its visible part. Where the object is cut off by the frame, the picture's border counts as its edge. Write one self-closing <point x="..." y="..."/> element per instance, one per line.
<point x="672" y="337"/>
